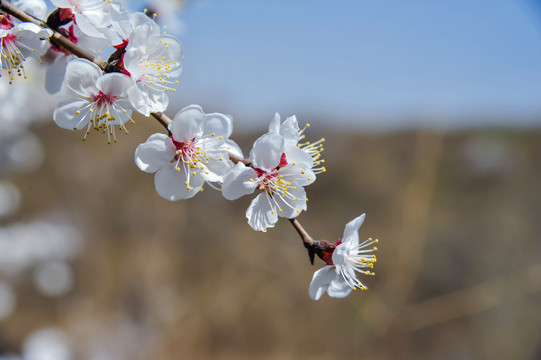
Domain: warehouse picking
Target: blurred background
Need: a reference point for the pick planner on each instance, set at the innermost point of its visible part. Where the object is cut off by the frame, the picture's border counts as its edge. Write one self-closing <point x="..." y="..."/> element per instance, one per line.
<point x="431" y="113"/>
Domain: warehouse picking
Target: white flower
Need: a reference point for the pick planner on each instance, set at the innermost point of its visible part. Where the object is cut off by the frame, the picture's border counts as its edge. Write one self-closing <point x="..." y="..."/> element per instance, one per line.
<point x="18" y="42"/>
<point x="90" y="15"/>
<point x="279" y="181"/>
<point x="301" y="152"/>
<point x="338" y="278"/>
<point x="101" y="101"/>
<point x="193" y="155"/>
<point x="152" y="59"/>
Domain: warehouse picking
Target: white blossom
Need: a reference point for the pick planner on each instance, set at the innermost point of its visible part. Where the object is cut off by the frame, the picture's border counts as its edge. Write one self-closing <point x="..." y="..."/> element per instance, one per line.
<point x="101" y="101"/>
<point x="192" y="155"/>
<point x="152" y="59"/>
<point x="339" y="277"/>
<point x="279" y="181"/>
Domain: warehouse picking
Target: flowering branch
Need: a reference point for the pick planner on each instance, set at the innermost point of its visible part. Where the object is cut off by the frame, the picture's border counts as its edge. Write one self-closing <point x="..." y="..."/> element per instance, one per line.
<point x="197" y="149"/>
<point x="321" y="247"/>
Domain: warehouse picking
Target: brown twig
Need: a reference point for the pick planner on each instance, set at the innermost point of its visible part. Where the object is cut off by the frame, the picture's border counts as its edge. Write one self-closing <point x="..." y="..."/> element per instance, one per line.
<point x="320" y="247"/>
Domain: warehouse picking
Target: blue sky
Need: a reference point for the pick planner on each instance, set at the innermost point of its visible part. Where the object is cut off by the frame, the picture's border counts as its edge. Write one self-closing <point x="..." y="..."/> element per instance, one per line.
<point x="382" y="63"/>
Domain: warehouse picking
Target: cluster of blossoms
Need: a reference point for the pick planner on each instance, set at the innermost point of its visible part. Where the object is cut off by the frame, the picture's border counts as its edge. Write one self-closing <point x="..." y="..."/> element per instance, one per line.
<point x="142" y="65"/>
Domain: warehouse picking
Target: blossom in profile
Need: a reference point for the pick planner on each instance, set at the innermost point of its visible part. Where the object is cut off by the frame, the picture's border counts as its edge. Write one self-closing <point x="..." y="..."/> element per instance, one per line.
<point x="17" y="42"/>
<point x="101" y="101"/>
<point x="195" y="153"/>
<point x="279" y="180"/>
<point x="339" y="277"/>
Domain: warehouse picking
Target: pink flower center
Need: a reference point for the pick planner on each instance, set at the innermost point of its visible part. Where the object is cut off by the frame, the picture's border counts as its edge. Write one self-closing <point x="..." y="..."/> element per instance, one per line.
<point x="261" y="172"/>
<point x="186" y="149"/>
<point x="267" y="178"/>
<point x="103" y="99"/>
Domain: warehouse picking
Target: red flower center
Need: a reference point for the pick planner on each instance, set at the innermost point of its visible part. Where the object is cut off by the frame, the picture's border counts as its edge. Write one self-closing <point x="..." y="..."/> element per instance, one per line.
<point x="103" y="99"/>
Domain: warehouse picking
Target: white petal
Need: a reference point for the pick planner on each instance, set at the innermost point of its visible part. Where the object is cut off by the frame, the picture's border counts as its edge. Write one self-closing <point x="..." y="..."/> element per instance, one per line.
<point x="171" y="184"/>
<point x="260" y="214"/>
<point x="217" y="124"/>
<point x="186" y="124"/>
<point x="291" y="205"/>
<point x="87" y="27"/>
<point x="290" y="130"/>
<point x="274" y="125"/>
<point x="140" y="35"/>
<point x="267" y="151"/>
<point x="65" y="114"/>
<point x="339" y="288"/>
<point x="55" y="74"/>
<point x="296" y="155"/>
<point x="233" y="148"/>
<point x="114" y="84"/>
<point x="131" y="63"/>
<point x="81" y="76"/>
<point x="147" y="100"/>
<point x="237" y="182"/>
<point x="298" y="174"/>
<point x="351" y="235"/>
<point x="155" y="153"/>
<point x="320" y="281"/>
<point x="217" y="168"/>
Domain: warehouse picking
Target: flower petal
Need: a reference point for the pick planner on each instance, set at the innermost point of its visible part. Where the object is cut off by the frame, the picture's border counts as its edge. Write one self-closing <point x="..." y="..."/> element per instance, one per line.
<point x="237" y="182"/>
<point x="217" y="168"/>
<point x="296" y="155"/>
<point x="260" y="214"/>
<point x="87" y="26"/>
<point x="351" y="234"/>
<point x="339" y="288"/>
<point x="299" y="174"/>
<point x="267" y="151"/>
<point x="320" y="281"/>
<point x="171" y="184"/>
<point x="186" y="124"/>
<point x="146" y="100"/>
<point x="290" y="130"/>
<point x="274" y="125"/>
<point x="292" y="204"/>
<point x="155" y="153"/>
<point x="55" y="74"/>
<point x="215" y="129"/>
<point x="114" y="84"/>
<point x="81" y="76"/>
<point x="233" y="148"/>
<point x="65" y="114"/>
<point x="217" y="124"/>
